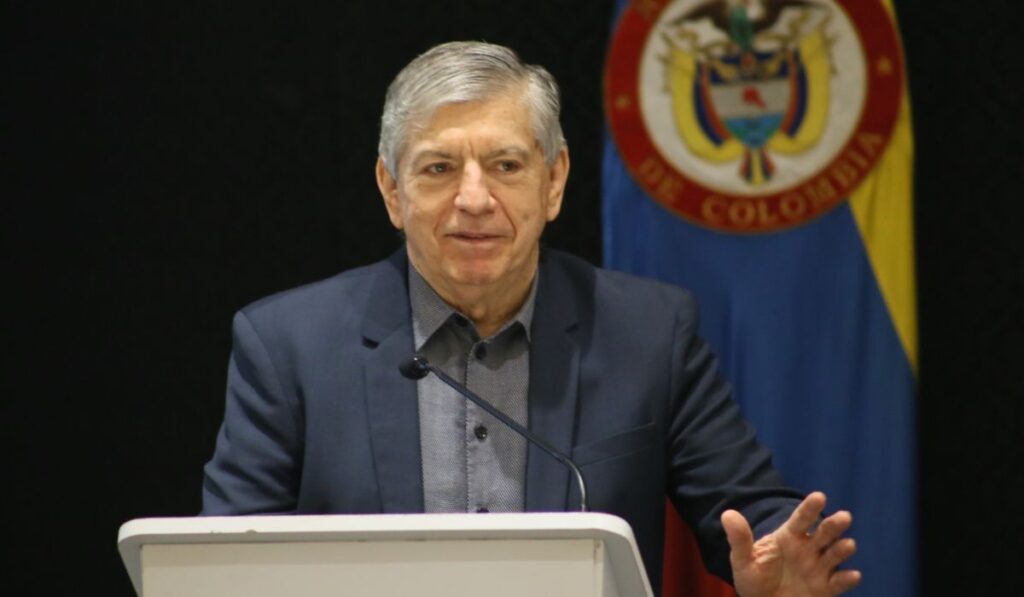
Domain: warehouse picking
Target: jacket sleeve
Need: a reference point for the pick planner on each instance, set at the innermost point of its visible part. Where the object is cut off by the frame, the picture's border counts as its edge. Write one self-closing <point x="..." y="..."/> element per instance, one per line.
<point x="256" y="465"/>
<point x="713" y="458"/>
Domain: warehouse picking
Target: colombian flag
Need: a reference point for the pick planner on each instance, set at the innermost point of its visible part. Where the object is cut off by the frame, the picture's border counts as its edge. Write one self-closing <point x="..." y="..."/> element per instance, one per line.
<point x="808" y="299"/>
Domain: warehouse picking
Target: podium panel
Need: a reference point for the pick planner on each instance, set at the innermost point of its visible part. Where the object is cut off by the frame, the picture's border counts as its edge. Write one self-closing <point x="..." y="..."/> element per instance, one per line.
<point x="451" y="568"/>
<point x="454" y="555"/>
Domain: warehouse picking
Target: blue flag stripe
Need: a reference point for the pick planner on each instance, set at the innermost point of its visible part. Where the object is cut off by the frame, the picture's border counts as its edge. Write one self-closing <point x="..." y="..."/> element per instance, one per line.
<point x="802" y="330"/>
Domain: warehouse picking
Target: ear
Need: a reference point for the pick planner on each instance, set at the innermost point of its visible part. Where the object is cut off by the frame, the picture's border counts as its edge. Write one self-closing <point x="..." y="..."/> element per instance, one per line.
<point x="389" y="191"/>
<point x="558" y="175"/>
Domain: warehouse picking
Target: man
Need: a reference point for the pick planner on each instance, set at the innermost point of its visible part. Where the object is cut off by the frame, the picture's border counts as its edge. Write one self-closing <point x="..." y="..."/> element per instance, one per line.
<point x="603" y="365"/>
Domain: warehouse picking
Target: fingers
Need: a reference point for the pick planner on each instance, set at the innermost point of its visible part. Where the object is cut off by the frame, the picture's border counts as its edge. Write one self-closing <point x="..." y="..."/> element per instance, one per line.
<point x="831" y="529"/>
<point x="843" y="581"/>
<point x="805" y="515"/>
<point x="741" y="538"/>
<point x="837" y="553"/>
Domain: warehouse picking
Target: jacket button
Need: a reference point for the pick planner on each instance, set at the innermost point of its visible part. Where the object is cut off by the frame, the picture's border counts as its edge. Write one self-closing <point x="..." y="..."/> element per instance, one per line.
<point x="480" y="432"/>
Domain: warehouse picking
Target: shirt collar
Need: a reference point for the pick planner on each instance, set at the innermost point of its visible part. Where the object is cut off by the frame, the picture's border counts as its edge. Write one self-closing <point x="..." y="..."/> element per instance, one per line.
<point x="430" y="312"/>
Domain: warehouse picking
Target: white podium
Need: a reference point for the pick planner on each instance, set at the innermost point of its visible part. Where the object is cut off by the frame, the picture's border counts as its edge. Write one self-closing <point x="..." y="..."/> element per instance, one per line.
<point x="424" y="555"/>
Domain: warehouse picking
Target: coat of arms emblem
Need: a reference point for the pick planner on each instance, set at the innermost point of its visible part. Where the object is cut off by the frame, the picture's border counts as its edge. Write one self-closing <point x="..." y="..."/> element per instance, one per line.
<point x="752" y="115"/>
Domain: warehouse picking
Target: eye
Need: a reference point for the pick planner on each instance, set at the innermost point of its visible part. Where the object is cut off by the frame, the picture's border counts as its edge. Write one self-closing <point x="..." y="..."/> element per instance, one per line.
<point x="437" y="168"/>
<point x="509" y="166"/>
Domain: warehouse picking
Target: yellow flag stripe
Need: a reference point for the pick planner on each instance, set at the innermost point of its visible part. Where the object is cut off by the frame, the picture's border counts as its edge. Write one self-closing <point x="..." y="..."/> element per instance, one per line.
<point x="883" y="208"/>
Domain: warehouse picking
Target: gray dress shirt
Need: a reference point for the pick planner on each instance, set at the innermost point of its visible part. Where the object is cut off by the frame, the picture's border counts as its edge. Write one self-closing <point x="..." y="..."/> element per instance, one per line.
<point x="471" y="462"/>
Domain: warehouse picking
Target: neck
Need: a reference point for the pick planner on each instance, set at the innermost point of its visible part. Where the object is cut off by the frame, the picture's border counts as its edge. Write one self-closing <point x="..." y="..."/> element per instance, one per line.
<point x="489" y="306"/>
<point x="489" y="310"/>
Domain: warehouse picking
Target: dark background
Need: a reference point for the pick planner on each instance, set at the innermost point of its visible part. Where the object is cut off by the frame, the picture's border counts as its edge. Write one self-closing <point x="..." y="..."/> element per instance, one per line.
<point x="167" y="163"/>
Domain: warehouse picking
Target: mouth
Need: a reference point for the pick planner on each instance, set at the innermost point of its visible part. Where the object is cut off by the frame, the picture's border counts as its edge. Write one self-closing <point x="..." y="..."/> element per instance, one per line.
<point x="474" y="237"/>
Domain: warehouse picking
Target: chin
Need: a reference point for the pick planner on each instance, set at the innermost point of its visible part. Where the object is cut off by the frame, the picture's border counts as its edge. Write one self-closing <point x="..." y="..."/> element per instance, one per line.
<point x="475" y="277"/>
<point x="475" y="274"/>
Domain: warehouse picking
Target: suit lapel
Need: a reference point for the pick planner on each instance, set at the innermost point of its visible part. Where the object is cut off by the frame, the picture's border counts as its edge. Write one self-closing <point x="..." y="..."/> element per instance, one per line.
<point x="554" y="375"/>
<point x="391" y="403"/>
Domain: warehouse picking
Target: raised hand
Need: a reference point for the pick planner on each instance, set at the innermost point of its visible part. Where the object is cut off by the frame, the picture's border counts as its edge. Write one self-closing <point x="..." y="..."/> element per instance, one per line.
<point x="795" y="560"/>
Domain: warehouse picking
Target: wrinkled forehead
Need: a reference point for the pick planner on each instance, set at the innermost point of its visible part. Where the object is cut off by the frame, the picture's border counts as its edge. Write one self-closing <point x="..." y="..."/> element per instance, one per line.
<point x="502" y="119"/>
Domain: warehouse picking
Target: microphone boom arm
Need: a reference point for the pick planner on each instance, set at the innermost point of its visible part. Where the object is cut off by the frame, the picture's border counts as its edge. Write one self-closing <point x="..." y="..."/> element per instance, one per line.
<point x="422" y="363"/>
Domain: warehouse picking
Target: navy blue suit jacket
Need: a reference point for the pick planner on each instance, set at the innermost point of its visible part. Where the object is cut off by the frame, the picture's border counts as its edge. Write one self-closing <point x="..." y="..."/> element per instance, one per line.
<point x="319" y="419"/>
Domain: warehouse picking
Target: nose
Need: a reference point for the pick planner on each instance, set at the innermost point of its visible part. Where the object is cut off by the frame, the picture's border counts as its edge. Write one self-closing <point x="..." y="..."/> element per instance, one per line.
<point x="474" y="196"/>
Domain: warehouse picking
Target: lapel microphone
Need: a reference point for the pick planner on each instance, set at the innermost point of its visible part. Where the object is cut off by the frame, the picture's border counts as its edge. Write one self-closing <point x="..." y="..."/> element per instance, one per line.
<point x="417" y="367"/>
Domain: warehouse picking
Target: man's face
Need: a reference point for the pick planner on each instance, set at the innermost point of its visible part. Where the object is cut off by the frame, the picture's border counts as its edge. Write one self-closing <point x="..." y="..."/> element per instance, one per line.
<point x="473" y="195"/>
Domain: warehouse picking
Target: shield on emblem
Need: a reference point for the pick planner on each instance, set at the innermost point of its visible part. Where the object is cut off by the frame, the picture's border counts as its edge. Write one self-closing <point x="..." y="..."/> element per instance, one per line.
<point x="750" y="96"/>
<point x="751" y="106"/>
<point x="733" y="101"/>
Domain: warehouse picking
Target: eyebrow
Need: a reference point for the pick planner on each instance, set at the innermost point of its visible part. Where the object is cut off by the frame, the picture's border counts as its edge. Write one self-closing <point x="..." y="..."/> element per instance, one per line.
<point x="431" y="154"/>
<point x="437" y="154"/>
<point x="513" y="150"/>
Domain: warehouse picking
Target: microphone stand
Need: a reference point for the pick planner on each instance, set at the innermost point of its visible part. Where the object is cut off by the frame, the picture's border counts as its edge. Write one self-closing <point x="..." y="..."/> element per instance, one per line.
<point x="418" y="367"/>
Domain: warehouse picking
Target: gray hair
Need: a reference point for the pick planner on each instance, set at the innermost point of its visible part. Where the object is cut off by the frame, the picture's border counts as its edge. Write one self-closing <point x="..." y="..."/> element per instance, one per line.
<point x="461" y="72"/>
